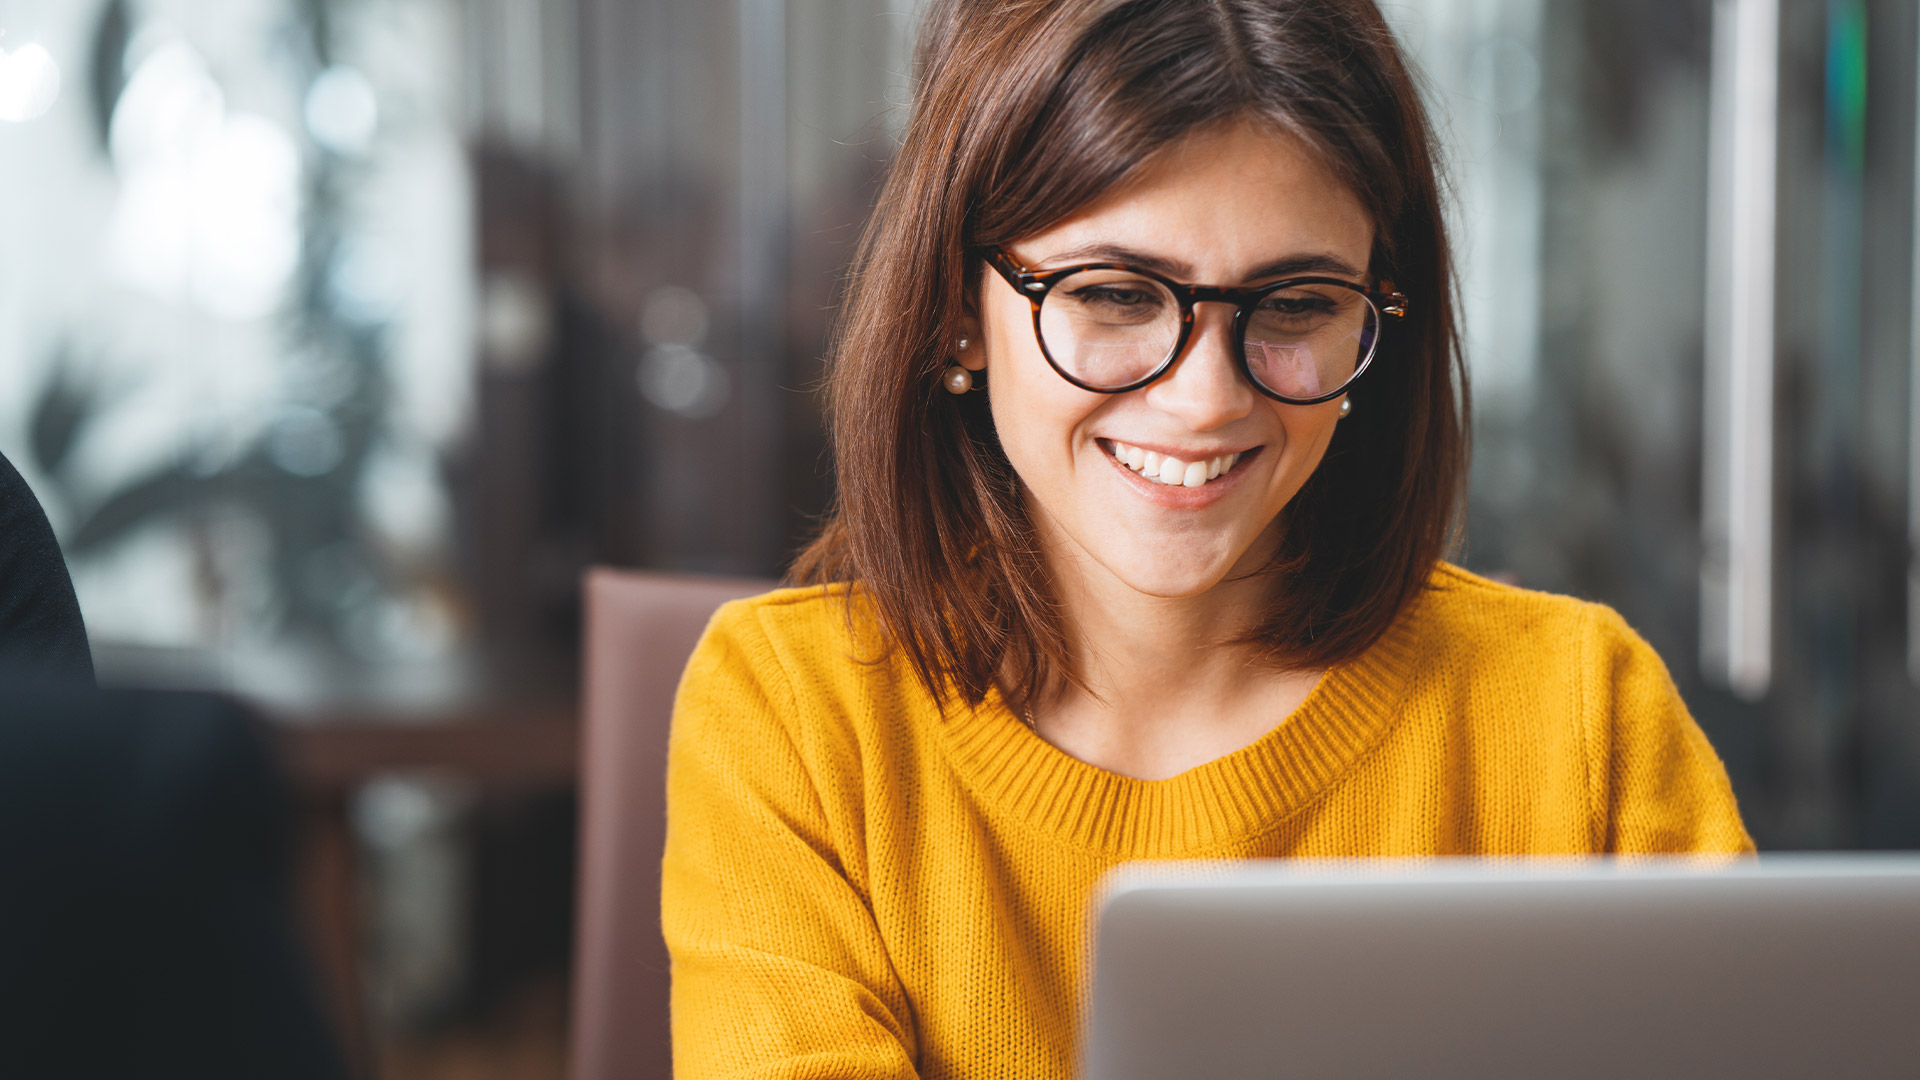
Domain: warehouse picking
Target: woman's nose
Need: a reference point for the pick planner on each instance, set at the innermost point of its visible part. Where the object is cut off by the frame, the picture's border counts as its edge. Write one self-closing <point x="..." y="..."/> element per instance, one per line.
<point x="1205" y="389"/>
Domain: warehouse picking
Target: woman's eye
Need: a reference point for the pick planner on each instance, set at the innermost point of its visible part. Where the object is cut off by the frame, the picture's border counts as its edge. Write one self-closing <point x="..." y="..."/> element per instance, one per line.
<point x="1115" y="295"/>
<point x="1297" y="305"/>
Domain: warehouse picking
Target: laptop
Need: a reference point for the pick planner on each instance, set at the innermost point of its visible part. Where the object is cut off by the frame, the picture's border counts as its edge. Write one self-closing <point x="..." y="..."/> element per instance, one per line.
<point x="1788" y="966"/>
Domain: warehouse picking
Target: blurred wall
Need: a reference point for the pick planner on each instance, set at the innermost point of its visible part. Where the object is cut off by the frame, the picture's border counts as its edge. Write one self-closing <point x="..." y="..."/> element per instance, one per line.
<point x="682" y="214"/>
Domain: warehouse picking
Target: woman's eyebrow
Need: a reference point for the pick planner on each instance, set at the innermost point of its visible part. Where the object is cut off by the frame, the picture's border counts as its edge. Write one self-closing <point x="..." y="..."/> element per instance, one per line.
<point x="1288" y="266"/>
<point x="1318" y="263"/>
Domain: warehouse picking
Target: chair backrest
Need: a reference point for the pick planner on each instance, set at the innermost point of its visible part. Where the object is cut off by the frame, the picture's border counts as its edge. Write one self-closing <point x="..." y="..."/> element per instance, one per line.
<point x="640" y="629"/>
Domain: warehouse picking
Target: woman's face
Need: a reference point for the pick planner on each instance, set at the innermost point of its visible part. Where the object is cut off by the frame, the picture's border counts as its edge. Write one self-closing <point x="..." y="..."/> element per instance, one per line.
<point x="1214" y="209"/>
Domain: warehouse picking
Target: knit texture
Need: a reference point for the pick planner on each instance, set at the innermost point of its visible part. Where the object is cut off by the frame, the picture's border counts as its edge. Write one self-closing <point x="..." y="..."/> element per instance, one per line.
<point x="857" y="885"/>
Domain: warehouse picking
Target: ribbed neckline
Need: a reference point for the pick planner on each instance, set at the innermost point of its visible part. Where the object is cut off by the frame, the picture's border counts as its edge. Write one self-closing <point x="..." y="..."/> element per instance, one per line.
<point x="1019" y="774"/>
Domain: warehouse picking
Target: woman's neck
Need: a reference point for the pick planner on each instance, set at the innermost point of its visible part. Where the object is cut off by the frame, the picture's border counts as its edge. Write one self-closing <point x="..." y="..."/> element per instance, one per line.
<point x="1168" y="685"/>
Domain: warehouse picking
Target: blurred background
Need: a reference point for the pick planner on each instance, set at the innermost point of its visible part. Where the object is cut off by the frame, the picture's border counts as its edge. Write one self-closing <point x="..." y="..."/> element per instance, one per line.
<point x="339" y="336"/>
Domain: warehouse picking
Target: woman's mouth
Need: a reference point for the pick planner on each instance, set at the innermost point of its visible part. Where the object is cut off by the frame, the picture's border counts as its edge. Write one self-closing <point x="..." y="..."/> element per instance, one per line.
<point x="1169" y="470"/>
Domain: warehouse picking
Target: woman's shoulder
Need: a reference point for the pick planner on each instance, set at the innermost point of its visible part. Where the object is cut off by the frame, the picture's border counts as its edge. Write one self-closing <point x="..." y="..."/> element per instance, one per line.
<point x="1460" y="596"/>
<point x="804" y="617"/>
<point x="1654" y="783"/>
<point x="799" y="635"/>
<point x="1499" y="623"/>
<point x="808" y="670"/>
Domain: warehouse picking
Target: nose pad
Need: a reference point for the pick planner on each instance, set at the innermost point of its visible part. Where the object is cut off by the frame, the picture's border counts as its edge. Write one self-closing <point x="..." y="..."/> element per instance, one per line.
<point x="1205" y="387"/>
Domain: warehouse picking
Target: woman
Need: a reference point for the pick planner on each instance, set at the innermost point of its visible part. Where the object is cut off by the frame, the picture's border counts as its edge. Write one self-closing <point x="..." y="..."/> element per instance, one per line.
<point x="1148" y="422"/>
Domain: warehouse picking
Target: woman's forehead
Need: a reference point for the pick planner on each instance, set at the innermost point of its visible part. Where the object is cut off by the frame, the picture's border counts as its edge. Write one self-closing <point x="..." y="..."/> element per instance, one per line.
<point x="1217" y="205"/>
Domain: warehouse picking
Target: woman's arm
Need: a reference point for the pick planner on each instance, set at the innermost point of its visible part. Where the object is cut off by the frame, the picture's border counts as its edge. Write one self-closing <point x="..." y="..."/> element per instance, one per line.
<point x="1657" y="786"/>
<point x="778" y="968"/>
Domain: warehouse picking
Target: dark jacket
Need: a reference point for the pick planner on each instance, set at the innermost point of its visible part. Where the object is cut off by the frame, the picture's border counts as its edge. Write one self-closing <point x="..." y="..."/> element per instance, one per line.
<point x="42" y="638"/>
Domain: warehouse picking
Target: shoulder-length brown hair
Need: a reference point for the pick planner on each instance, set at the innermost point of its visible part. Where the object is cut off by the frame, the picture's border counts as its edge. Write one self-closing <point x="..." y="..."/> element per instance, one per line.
<point x="1028" y="110"/>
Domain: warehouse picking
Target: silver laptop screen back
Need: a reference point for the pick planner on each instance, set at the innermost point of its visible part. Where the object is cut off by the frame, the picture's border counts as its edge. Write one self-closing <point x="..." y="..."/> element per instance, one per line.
<point x="1791" y="967"/>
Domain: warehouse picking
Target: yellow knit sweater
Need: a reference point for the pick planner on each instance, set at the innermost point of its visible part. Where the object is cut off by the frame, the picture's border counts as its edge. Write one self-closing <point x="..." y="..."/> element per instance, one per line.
<point x="857" y="886"/>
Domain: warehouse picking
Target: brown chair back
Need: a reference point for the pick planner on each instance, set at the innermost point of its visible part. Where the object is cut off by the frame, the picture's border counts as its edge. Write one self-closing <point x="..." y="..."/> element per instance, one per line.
<point x="640" y="629"/>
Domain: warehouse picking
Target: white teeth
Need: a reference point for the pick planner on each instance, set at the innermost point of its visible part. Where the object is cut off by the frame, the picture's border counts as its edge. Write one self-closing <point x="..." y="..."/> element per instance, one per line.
<point x="1171" y="470"/>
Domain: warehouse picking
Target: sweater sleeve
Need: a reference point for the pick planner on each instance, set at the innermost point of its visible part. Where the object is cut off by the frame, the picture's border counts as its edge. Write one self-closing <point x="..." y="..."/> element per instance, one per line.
<point x="778" y="968"/>
<point x="1657" y="785"/>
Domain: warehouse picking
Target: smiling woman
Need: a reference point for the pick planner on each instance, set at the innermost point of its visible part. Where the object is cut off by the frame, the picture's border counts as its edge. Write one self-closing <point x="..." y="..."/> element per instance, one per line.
<point x="1168" y="585"/>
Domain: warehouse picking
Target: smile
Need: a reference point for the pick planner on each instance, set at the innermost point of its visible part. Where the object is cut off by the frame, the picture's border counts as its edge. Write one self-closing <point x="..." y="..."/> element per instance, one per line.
<point x="1169" y="470"/>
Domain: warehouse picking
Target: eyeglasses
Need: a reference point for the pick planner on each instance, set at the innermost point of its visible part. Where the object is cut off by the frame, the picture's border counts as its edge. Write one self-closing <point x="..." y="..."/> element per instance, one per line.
<point x="1110" y="327"/>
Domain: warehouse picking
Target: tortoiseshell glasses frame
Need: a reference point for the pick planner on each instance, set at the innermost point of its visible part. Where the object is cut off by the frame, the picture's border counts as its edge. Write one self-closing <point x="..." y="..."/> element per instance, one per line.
<point x="1036" y="285"/>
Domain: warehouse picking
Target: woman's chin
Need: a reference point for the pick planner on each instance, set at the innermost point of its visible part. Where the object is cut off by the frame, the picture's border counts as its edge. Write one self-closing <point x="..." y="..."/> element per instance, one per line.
<point x="1173" y="582"/>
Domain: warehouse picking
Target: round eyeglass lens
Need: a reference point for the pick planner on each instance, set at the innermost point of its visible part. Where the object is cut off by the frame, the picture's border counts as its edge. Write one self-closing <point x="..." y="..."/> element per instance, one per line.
<point x="1304" y="341"/>
<point x="1109" y="328"/>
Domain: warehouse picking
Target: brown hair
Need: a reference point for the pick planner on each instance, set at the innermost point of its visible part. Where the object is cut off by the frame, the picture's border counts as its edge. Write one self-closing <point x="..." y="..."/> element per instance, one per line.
<point x="1027" y="111"/>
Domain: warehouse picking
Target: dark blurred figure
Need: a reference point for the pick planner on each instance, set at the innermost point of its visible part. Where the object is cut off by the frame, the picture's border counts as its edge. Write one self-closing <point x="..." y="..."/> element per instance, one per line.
<point x="41" y="635"/>
<point x="145" y="861"/>
<point x="145" y="914"/>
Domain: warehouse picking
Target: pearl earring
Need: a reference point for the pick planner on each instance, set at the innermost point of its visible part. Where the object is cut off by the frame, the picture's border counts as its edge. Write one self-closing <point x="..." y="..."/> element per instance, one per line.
<point x="958" y="380"/>
<point x="1346" y="406"/>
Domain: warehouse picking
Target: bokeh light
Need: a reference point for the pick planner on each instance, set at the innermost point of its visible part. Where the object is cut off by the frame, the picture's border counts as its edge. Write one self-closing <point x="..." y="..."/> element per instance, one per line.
<point x="29" y="83"/>
<point x="210" y="200"/>
<point x="342" y="111"/>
